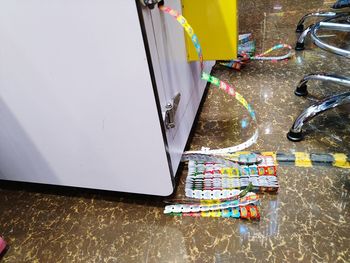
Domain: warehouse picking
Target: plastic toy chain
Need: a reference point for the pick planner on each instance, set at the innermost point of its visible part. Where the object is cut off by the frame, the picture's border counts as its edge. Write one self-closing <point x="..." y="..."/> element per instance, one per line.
<point x="210" y="201"/>
<point x="214" y="180"/>
<point x="250" y="198"/>
<point x="225" y="182"/>
<point x="230" y="162"/>
<point x="244" y="212"/>
<point x="233" y="164"/>
<point x="263" y="56"/>
<point x="245" y="57"/>
<point x="223" y="85"/>
<point x="217" y="82"/>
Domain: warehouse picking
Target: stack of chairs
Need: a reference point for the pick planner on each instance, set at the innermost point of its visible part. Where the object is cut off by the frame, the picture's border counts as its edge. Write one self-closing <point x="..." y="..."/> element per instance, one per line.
<point x="331" y="20"/>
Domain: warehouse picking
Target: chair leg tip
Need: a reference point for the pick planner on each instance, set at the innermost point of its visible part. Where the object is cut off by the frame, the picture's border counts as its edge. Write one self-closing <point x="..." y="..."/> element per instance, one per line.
<point x="301" y="91"/>
<point x="299" y="29"/>
<point x="295" y="136"/>
<point x="299" y="46"/>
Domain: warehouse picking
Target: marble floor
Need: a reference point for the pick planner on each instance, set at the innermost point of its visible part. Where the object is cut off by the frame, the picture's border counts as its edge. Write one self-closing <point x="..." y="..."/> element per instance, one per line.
<point x="307" y="221"/>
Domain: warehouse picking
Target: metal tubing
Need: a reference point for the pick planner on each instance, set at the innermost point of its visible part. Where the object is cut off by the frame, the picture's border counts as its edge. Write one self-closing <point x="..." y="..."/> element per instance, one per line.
<point x="301" y="89"/>
<point x="300" y="26"/>
<point x="325" y="46"/>
<point x="300" y="43"/>
<point x="295" y="133"/>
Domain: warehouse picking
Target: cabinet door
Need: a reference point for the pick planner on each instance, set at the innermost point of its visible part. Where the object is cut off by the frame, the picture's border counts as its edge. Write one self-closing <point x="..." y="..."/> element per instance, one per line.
<point x="77" y="105"/>
<point x="174" y="75"/>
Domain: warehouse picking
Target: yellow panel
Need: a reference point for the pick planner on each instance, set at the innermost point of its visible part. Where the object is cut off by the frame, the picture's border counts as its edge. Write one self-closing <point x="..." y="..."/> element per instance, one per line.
<point x="216" y="24"/>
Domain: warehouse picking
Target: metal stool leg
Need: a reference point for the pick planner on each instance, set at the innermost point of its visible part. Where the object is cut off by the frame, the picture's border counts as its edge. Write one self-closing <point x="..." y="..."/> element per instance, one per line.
<point x="300" y="45"/>
<point x="330" y="26"/>
<point x="301" y="89"/>
<point x="300" y="26"/>
<point x="323" y="24"/>
<point x="295" y="133"/>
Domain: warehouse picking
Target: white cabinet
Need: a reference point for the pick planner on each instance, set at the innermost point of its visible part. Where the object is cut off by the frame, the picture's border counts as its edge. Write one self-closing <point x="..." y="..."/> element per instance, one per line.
<point x="83" y="90"/>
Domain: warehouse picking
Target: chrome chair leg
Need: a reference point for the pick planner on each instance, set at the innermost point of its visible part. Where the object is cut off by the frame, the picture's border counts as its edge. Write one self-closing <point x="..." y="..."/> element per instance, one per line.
<point x="295" y="133"/>
<point x="330" y="26"/>
<point x="314" y="27"/>
<point x="300" y="45"/>
<point x="301" y="89"/>
<point x="300" y="26"/>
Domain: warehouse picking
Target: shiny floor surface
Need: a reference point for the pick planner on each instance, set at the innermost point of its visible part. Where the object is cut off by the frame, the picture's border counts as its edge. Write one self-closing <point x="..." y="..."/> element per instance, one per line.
<point x="307" y="221"/>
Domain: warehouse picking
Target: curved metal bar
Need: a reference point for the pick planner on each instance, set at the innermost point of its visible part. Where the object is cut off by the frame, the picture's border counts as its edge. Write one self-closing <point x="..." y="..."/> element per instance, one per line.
<point x="301" y="89"/>
<point x="300" y="43"/>
<point x="303" y="35"/>
<point x="328" y="47"/>
<point x="335" y="26"/>
<point x="325" y="46"/>
<point x="295" y="133"/>
<point x="300" y="26"/>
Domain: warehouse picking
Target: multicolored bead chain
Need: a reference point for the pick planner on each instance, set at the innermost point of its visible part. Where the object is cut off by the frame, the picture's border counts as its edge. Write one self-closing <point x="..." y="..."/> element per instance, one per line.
<point x="239" y="206"/>
<point x="212" y="179"/>
<point x="244" y="212"/>
<point x="216" y="82"/>
<point x="246" y="50"/>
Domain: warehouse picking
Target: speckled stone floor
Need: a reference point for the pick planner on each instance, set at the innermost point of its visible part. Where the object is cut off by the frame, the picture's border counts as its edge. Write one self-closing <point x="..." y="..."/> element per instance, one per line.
<point x="307" y="221"/>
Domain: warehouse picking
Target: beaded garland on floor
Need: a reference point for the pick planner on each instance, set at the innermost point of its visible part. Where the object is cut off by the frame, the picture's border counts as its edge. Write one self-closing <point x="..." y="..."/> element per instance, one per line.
<point x="223" y="190"/>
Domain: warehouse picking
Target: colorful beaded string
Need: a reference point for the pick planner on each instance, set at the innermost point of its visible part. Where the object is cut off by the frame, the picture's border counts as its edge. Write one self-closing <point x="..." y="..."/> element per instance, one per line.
<point x="223" y="208"/>
<point x="246" y="51"/>
<point x="216" y="82"/>
<point x="243" y="208"/>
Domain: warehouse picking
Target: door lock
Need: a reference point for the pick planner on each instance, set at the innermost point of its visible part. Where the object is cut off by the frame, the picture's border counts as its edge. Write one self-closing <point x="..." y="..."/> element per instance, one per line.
<point x="170" y="111"/>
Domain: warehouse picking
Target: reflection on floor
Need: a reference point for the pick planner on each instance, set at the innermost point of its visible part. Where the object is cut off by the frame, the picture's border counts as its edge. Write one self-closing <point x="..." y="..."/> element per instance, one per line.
<point x="307" y="221"/>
